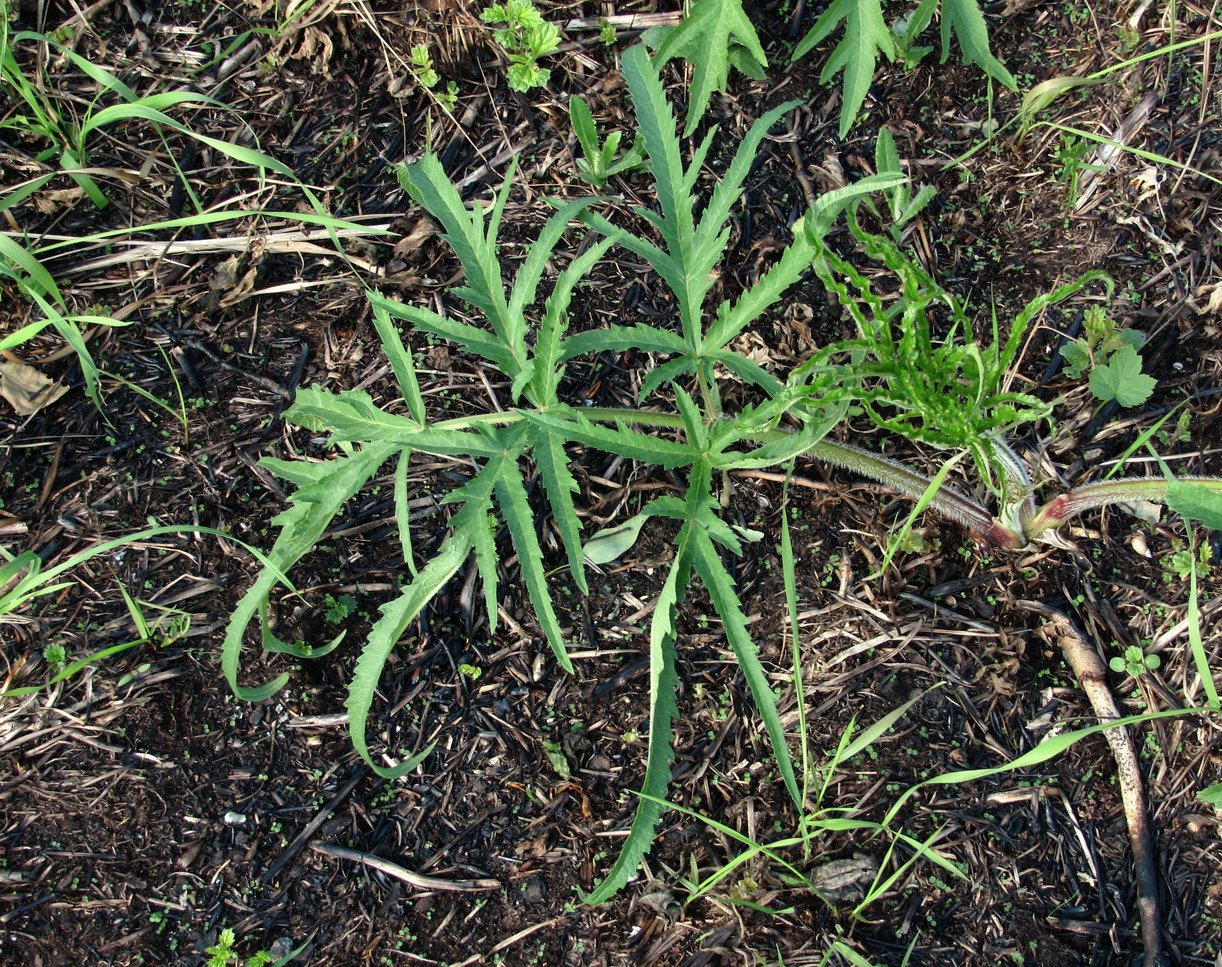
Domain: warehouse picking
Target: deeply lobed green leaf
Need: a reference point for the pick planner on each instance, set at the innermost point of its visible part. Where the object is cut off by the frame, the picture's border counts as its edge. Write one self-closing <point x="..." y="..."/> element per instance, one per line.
<point x="708" y="38"/>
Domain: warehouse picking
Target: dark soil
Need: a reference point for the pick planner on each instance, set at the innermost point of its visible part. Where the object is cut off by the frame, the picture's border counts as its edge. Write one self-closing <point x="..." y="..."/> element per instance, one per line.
<point x="144" y="809"/>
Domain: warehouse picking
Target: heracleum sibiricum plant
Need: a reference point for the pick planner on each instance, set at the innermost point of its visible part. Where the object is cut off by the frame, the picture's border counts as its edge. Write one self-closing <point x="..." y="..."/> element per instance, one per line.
<point x="686" y="428"/>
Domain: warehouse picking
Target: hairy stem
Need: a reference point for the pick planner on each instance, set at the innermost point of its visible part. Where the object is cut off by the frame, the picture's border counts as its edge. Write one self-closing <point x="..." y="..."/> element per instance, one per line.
<point x="1058" y="510"/>
<point x="949" y="502"/>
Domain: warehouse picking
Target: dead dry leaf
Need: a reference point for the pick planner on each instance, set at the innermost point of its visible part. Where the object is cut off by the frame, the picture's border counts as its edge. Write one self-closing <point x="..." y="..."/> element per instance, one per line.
<point x="26" y="389"/>
<point x="1213" y="305"/>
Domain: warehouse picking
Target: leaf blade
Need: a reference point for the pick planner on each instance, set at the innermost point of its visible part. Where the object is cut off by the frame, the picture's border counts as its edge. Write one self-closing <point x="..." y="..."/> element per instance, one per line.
<point x="663" y="710"/>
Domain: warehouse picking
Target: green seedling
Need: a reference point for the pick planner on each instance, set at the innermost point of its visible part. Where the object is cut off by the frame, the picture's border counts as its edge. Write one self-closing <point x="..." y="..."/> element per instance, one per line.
<point x="525" y="38"/>
<point x="601" y="160"/>
<point x="426" y="76"/>
<point x="224" y="953"/>
<point x="1134" y="662"/>
<point x="1070" y="157"/>
<point x="23" y="581"/>
<point x="44" y="116"/>
<point x="422" y="67"/>
<point x="1181" y="563"/>
<point x="338" y="610"/>
<point x="1110" y="355"/>
<point x="1121" y="379"/>
<point x="56" y="657"/>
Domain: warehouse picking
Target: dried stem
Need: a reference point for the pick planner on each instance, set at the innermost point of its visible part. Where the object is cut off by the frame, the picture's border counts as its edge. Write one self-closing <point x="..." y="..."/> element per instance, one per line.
<point x="1089" y="669"/>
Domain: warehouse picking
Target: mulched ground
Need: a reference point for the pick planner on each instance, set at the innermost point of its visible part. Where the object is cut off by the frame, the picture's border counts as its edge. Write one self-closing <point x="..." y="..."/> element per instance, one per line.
<point x="144" y="809"/>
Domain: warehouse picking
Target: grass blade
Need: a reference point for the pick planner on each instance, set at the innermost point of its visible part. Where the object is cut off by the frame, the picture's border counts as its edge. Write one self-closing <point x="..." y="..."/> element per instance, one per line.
<point x="789" y="579"/>
<point x="1199" y="656"/>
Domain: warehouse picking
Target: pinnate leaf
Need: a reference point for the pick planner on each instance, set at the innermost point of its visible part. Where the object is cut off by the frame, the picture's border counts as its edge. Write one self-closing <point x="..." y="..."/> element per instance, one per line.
<point x="515" y="508"/>
<point x="324" y="489"/>
<point x="711" y="32"/>
<point x="663" y="710"/>
<point x="553" y="464"/>
<point x="965" y="19"/>
<point x="396" y="615"/>
<point x="720" y="585"/>
<point x="621" y="440"/>
<point x="865" y="36"/>
<point x="657" y="123"/>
